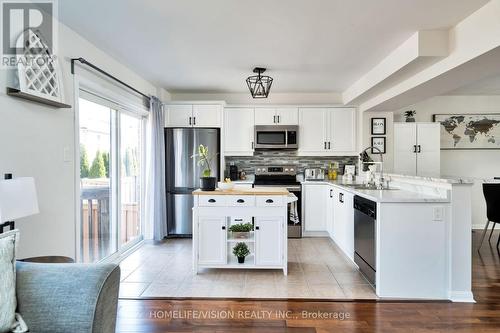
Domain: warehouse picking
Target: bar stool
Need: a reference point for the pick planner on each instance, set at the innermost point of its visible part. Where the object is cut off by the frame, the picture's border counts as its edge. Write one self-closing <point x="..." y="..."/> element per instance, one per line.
<point x="491" y="193"/>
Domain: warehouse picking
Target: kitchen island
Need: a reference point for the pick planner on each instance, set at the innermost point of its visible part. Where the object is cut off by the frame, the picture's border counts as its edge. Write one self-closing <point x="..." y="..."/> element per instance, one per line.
<point x="421" y="234"/>
<point x="214" y="214"/>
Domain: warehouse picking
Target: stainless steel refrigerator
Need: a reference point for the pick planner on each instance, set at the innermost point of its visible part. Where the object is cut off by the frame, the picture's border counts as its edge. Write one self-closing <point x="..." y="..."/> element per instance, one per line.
<point x="183" y="173"/>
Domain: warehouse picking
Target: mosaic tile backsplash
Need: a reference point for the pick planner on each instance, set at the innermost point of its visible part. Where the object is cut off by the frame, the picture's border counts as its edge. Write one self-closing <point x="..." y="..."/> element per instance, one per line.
<point x="281" y="157"/>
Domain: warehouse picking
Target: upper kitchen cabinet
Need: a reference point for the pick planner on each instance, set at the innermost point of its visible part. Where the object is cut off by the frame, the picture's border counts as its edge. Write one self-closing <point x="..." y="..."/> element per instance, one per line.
<point x="193" y="115"/>
<point x="238" y="131"/>
<point x="327" y="131"/>
<point x="277" y="116"/>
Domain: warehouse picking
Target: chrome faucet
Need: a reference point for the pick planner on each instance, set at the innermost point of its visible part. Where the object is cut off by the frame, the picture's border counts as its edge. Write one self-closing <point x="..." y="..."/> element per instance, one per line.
<point x="380" y="185"/>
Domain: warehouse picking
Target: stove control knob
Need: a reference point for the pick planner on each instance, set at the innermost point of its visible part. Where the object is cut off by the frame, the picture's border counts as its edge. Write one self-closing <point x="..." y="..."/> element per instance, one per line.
<point x="258" y="170"/>
<point x="286" y="170"/>
<point x="292" y="169"/>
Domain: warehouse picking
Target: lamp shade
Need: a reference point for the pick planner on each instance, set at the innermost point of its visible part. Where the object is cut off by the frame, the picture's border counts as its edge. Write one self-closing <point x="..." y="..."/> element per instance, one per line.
<point x="17" y="198"/>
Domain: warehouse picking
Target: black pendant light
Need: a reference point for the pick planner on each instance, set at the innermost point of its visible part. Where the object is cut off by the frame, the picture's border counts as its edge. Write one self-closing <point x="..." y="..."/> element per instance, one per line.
<point x="259" y="85"/>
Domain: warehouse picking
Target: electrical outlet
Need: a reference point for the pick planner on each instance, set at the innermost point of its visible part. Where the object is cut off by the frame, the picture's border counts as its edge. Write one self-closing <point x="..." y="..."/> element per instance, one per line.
<point x="438" y="213"/>
<point x="67" y="156"/>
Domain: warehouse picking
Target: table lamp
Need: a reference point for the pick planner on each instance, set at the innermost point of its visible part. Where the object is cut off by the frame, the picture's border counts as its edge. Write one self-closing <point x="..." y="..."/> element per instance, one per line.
<point x="17" y="199"/>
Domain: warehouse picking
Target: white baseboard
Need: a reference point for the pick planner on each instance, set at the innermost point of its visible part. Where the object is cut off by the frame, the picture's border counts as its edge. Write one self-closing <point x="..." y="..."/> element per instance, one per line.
<point x="461" y="297"/>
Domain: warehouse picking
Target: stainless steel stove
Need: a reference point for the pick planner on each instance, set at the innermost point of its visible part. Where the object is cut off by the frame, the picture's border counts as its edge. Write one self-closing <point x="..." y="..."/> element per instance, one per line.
<point x="284" y="176"/>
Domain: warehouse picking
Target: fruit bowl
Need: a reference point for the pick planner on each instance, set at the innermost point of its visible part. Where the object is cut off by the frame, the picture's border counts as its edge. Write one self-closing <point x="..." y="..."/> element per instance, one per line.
<point x="225" y="186"/>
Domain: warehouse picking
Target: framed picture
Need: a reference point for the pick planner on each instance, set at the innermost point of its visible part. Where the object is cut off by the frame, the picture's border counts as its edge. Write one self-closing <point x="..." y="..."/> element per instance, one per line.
<point x="379" y="142"/>
<point x="378" y="126"/>
<point x="469" y="131"/>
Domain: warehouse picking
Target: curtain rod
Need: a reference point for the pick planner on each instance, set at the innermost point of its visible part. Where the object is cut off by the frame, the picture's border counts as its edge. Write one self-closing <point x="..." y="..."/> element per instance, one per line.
<point x="85" y="62"/>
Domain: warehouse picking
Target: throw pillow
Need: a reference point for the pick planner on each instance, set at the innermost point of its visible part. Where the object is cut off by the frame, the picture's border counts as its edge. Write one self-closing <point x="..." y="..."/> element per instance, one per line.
<point x="9" y="321"/>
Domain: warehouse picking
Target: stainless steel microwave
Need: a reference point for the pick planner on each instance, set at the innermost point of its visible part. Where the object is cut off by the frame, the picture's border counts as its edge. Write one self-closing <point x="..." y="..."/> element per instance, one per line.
<point x="276" y="137"/>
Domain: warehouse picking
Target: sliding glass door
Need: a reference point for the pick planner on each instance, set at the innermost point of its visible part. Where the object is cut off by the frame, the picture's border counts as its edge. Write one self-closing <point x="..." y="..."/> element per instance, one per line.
<point x="111" y="148"/>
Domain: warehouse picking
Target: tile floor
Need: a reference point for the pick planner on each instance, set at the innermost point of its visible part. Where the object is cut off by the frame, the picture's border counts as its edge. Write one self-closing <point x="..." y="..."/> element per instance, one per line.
<point x="316" y="269"/>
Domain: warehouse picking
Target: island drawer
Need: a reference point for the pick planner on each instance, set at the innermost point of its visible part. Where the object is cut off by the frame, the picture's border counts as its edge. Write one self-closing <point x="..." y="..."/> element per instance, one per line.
<point x="212" y="200"/>
<point x="269" y="201"/>
<point x="243" y="200"/>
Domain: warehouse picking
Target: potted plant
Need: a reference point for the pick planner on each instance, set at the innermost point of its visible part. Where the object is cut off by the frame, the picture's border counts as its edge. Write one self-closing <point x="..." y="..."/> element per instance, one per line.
<point x="410" y="116"/>
<point x="207" y="181"/>
<point x="241" y="230"/>
<point x="241" y="250"/>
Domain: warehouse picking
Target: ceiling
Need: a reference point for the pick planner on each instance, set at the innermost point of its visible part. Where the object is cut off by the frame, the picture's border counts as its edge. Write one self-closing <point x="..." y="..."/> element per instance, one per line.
<point x="488" y="86"/>
<point x="212" y="46"/>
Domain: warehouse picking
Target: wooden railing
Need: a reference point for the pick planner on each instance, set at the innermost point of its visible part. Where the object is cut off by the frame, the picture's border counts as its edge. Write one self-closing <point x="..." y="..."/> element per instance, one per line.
<point x="96" y="230"/>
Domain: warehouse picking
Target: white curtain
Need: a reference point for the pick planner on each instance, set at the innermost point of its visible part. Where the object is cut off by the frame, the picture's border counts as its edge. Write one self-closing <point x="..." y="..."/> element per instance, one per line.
<point x="156" y="210"/>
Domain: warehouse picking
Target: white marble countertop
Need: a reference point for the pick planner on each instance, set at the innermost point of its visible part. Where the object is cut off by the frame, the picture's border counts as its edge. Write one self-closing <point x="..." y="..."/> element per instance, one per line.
<point x="436" y="179"/>
<point x="394" y="195"/>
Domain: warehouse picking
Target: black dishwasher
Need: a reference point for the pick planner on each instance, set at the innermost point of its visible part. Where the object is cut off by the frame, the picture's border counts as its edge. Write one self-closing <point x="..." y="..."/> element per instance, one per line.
<point x="365" y="215"/>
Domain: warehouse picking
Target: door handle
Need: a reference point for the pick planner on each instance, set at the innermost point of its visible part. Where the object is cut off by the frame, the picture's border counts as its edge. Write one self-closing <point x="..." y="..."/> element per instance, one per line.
<point x="415" y="149"/>
<point x="194" y="120"/>
<point x="274" y="119"/>
<point x="325" y="145"/>
<point x="341" y="197"/>
<point x="238" y="220"/>
<point x="212" y="200"/>
<point x="189" y="120"/>
<point x="253" y="145"/>
<point x="331" y="193"/>
<point x="240" y="201"/>
<point x="419" y="148"/>
<point x="269" y="201"/>
<point x="278" y="119"/>
<point x="328" y="144"/>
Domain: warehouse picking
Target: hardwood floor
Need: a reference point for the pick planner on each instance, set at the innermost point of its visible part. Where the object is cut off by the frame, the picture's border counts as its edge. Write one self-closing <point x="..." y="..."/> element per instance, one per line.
<point x="327" y="316"/>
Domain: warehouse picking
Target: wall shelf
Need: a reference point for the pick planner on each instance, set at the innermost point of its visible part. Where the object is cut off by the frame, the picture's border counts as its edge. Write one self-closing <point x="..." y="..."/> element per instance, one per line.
<point x="19" y="94"/>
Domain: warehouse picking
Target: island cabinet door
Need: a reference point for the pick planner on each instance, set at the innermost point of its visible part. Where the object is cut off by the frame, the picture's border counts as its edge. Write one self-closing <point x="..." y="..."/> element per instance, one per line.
<point x="269" y="241"/>
<point x="212" y="241"/>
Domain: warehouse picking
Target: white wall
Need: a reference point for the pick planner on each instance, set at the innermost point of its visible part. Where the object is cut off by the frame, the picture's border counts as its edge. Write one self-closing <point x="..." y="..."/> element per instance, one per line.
<point x="389" y="141"/>
<point x="33" y="141"/>
<point x="478" y="164"/>
<point x="274" y="98"/>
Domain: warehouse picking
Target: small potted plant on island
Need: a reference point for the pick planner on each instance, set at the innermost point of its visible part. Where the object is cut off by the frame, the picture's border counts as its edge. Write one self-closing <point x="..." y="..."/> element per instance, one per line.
<point x="241" y="230"/>
<point x="410" y="116"/>
<point x="240" y="250"/>
<point x="207" y="181"/>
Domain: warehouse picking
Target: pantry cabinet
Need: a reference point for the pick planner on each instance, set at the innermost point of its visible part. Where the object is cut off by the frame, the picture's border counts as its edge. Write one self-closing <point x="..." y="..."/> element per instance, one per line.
<point x="193" y="115"/>
<point x="417" y="149"/>
<point x="238" y="131"/>
<point x="327" y="131"/>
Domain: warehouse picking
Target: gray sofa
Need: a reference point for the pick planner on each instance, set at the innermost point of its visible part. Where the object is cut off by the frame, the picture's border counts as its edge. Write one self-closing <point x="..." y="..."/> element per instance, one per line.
<point x="68" y="297"/>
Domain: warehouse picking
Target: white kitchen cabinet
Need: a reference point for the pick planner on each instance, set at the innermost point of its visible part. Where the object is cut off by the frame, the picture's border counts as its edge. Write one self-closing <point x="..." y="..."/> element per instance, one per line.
<point x="343" y="221"/>
<point x="312" y="131"/>
<point x="207" y="115"/>
<point x="193" y="115"/>
<point x="268" y="241"/>
<point x="327" y="131"/>
<point x="330" y="211"/>
<point x="238" y="131"/>
<point x="277" y="116"/>
<point x="212" y="240"/>
<point x="178" y="115"/>
<point x="417" y="149"/>
<point x="315" y="203"/>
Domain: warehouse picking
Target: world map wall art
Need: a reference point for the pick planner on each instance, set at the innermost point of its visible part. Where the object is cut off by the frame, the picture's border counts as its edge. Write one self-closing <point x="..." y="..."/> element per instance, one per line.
<point x="469" y="131"/>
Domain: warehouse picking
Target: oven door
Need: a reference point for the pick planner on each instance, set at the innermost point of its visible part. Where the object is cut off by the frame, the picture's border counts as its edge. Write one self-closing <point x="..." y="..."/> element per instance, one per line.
<point x="276" y="137"/>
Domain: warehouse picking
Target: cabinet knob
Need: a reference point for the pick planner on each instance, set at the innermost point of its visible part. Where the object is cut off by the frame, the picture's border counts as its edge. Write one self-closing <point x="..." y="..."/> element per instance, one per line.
<point x="269" y="201"/>
<point x="240" y="201"/>
<point x="223" y="227"/>
<point x="256" y="227"/>
<point x="212" y="200"/>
